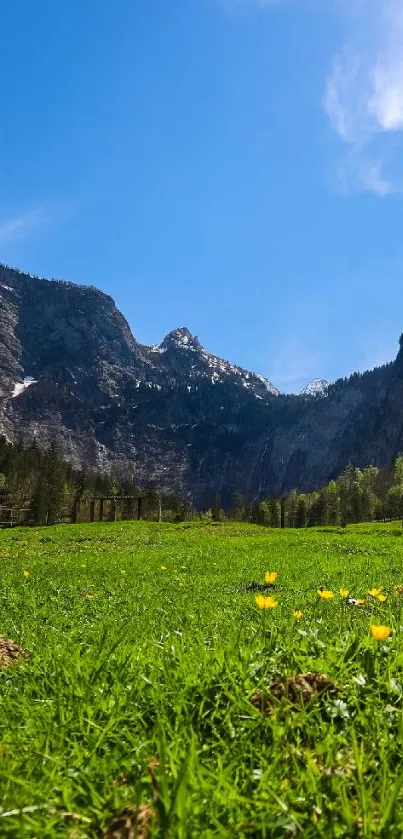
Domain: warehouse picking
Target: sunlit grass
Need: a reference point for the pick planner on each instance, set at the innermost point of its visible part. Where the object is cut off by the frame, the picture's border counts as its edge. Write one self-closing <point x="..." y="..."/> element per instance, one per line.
<point x="146" y="644"/>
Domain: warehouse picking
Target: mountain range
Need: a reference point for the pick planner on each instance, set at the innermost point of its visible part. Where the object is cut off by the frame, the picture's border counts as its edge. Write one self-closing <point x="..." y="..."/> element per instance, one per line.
<point x="72" y="374"/>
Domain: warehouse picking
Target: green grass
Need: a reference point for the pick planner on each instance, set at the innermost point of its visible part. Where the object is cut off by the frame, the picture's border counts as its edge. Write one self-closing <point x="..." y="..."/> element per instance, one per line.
<point x="162" y="664"/>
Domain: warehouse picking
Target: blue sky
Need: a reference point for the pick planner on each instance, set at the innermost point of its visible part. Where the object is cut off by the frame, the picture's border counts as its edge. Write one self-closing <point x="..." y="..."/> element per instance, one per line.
<point x="234" y="166"/>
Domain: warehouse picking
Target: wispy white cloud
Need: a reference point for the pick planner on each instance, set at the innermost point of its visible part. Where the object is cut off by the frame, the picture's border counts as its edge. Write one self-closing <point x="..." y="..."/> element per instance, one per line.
<point x="364" y="96"/>
<point x="21" y="226"/>
<point x="359" y="172"/>
<point x="372" y="179"/>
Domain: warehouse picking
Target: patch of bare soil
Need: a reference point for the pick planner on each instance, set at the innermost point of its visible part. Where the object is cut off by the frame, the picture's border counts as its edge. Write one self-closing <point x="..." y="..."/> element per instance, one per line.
<point x="11" y="652"/>
<point x="299" y="690"/>
<point x="132" y="823"/>
<point x="255" y="586"/>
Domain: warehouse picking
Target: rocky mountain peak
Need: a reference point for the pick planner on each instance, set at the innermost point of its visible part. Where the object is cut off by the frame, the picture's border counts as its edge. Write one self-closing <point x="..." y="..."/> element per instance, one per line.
<point x="182" y="354"/>
<point x="317" y="387"/>
<point x="180" y="339"/>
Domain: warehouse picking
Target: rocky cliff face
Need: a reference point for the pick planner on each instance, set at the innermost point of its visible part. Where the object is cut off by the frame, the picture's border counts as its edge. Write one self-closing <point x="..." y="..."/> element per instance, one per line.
<point x="72" y="373"/>
<point x="317" y="387"/>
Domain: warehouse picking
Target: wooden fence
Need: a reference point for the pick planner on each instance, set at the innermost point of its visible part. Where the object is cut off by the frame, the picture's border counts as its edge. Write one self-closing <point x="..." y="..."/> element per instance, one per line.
<point x="114" y="507"/>
<point x="98" y="508"/>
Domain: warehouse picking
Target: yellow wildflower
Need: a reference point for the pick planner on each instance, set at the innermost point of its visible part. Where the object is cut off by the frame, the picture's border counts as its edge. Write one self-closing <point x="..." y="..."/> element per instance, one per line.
<point x="344" y="592"/>
<point x="26" y="573"/>
<point x="270" y="577"/>
<point x="380" y="633"/>
<point x="325" y="594"/>
<point x="265" y="602"/>
<point x="382" y="598"/>
<point x="297" y="614"/>
<point x="163" y="568"/>
<point x="375" y="592"/>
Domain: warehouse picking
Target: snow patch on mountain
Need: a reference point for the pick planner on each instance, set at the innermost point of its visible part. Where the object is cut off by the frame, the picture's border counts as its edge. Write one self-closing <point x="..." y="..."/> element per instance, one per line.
<point x="19" y="387"/>
<point x="317" y="387"/>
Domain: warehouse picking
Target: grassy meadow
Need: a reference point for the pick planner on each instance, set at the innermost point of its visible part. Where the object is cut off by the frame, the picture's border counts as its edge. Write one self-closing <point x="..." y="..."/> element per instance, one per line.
<point x="153" y="682"/>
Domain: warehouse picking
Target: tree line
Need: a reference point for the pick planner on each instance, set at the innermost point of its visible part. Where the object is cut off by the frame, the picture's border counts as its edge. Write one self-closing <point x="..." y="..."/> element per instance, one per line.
<point x="49" y="489"/>
<point x="357" y="495"/>
<point x="46" y="489"/>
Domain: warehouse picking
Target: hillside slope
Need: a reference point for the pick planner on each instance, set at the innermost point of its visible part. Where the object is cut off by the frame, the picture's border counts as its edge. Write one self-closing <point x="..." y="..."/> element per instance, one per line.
<point x="72" y="373"/>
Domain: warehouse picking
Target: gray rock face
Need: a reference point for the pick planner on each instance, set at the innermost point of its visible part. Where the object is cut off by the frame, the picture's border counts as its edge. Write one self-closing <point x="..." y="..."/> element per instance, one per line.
<point x="72" y="373"/>
<point x="317" y="387"/>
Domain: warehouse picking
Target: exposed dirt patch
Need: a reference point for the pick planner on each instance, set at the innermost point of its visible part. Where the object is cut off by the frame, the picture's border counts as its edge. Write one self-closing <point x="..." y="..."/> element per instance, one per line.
<point x="11" y="652"/>
<point x="299" y="690"/>
<point x="132" y="823"/>
<point x="255" y="586"/>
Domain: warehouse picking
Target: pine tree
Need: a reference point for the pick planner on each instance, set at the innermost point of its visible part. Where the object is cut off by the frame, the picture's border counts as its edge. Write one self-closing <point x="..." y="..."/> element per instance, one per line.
<point x="239" y="507"/>
<point x="292" y="509"/>
<point x="274" y="512"/>
<point x="55" y="480"/>
<point x="333" y="503"/>
<point x="317" y="512"/>
<point x="302" y="512"/>
<point x="40" y="500"/>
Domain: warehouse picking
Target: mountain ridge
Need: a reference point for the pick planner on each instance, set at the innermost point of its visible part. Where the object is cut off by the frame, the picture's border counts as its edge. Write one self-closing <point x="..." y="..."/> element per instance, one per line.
<point x="172" y="412"/>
